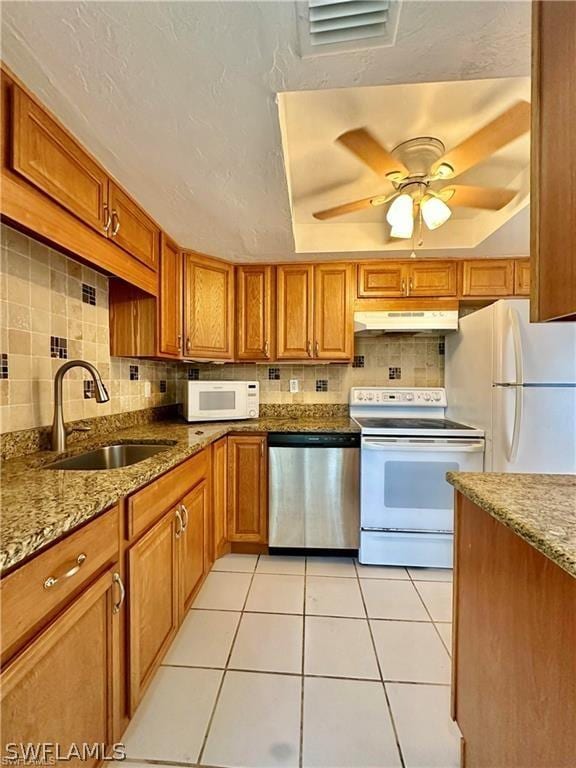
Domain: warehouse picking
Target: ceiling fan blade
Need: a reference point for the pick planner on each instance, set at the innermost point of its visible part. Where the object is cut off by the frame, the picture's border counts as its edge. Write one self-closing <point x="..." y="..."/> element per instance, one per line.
<point x="490" y="199"/>
<point x="362" y="144"/>
<point x="356" y="205"/>
<point x="501" y="131"/>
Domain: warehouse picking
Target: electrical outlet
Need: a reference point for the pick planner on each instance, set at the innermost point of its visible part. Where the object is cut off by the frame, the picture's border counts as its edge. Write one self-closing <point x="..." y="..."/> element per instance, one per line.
<point x="294" y="385"/>
<point x="147" y="389"/>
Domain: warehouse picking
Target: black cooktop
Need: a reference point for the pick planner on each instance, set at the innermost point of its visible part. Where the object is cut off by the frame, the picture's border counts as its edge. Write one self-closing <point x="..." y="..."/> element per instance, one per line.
<point x="383" y="422"/>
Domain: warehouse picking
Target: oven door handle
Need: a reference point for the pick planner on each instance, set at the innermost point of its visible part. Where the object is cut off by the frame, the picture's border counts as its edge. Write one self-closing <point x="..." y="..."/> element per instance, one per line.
<point x="476" y="446"/>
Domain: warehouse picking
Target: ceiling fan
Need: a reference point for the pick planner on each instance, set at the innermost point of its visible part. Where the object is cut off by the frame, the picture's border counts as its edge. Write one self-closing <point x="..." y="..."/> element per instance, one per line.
<point x="418" y="172"/>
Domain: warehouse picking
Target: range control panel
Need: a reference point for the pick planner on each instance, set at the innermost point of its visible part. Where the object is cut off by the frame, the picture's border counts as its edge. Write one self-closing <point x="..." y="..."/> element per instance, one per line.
<point x="406" y="397"/>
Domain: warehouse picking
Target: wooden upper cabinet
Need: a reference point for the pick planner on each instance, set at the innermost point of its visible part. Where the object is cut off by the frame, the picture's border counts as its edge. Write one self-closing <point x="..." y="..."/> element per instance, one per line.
<point x="553" y="161"/>
<point x="382" y="280"/>
<point x="433" y="278"/>
<point x="488" y="277"/>
<point x="254" y="313"/>
<point x="154" y="602"/>
<point x="522" y="277"/>
<point x="294" y="311"/>
<point x="170" y="319"/>
<point x="194" y="511"/>
<point x="50" y="159"/>
<point x="63" y="687"/>
<point x="208" y="308"/>
<point x="132" y="229"/>
<point x="248" y="489"/>
<point x="333" y="319"/>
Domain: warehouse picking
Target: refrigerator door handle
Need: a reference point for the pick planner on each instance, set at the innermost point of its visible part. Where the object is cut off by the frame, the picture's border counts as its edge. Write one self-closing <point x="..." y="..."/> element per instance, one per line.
<point x="518" y="391"/>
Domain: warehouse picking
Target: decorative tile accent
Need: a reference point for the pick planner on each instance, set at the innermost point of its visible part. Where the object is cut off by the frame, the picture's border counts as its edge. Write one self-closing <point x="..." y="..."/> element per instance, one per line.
<point x="88" y="387"/>
<point x="58" y="347"/>
<point x="394" y="373"/>
<point x="321" y="385"/>
<point x="441" y="347"/>
<point x="163" y="385"/>
<point x="88" y="294"/>
<point x="358" y="361"/>
<point x="3" y="366"/>
<point x="193" y="374"/>
<point x="273" y="374"/>
<point x="134" y="373"/>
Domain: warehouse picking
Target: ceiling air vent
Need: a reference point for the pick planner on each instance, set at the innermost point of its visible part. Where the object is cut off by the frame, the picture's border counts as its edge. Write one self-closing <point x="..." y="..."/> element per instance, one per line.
<point x="330" y="27"/>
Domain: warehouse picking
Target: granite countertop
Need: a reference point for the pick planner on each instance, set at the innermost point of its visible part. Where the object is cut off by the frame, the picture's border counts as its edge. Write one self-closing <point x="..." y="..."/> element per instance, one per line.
<point x="541" y="509"/>
<point x="39" y="505"/>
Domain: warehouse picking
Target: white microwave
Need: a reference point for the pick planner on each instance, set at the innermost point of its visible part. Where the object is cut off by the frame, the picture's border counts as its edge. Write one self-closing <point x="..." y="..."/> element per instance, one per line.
<point x="221" y="400"/>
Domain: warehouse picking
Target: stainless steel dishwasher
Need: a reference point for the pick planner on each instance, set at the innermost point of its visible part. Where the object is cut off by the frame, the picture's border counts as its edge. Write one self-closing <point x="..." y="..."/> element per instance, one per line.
<point x="314" y="491"/>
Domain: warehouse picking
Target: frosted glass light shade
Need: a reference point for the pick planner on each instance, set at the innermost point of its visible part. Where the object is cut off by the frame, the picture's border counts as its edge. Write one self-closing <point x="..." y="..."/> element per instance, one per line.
<point x="400" y="216"/>
<point x="435" y="212"/>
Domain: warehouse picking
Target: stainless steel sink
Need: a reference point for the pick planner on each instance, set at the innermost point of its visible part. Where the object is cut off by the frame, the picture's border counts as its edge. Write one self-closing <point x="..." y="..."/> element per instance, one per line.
<point x="110" y="456"/>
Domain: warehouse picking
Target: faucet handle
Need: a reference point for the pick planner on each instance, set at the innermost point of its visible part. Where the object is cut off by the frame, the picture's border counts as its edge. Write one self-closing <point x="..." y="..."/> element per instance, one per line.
<point x="79" y="428"/>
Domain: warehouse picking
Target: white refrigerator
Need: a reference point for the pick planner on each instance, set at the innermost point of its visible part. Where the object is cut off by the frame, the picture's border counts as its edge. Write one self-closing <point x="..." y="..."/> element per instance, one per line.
<point x="517" y="381"/>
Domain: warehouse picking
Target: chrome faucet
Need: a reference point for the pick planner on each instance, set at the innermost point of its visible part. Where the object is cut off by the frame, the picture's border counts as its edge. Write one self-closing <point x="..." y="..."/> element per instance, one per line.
<point x="59" y="430"/>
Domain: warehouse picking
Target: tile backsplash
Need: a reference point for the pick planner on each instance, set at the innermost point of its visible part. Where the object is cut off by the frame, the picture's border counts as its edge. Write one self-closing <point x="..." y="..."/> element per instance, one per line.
<point x="54" y="309"/>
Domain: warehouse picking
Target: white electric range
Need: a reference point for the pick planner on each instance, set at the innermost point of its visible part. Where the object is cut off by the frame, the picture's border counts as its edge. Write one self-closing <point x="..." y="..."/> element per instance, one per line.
<point x="407" y="446"/>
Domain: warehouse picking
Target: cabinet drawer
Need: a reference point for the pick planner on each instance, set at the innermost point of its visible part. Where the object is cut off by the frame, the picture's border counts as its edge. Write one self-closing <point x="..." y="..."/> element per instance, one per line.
<point x="29" y="600"/>
<point x="147" y="506"/>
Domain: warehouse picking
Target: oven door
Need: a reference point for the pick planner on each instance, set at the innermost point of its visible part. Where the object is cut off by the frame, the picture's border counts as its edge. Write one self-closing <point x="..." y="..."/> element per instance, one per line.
<point x="403" y="481"/>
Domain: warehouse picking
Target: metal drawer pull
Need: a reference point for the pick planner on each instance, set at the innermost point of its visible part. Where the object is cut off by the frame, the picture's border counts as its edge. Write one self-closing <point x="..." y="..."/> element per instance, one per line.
<point x="180" y="523"/>
<point x="316" y="348"/>
<point x="184" y="516"/>
<point x="309" y="348"/>
<point x="51" y="581"/>
<point x="117" y="579"/>
<point x="266" y="349"/>
<point x="115" y="223"/>
<point x="108" y="218"/>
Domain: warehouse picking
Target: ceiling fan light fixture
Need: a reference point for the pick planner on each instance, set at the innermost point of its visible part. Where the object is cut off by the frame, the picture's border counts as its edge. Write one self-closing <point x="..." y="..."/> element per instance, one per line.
<point x="403" y="231"/>
<point x="444" y="171"/>
<point x="401" y="210"/>
<point x="435" y="212"/>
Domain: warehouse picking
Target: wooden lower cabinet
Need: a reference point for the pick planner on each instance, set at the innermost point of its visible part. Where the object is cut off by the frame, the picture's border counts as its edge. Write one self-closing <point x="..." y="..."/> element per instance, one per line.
<point x="153" y="601"/>
<point x="63" y="687"/>
<point x="220" y="498"/>
<point x="192" y="544"/>
<point x="248" y="489"/>
<point x="514" y="641"/>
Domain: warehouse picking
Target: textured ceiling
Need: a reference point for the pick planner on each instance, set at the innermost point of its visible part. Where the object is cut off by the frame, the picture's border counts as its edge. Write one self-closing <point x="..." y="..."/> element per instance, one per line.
<point x="177" y="99"/>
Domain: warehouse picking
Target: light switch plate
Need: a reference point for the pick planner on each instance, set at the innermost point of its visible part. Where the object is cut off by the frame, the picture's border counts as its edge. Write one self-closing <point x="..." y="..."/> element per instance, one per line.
<point x="294" y="385"/>
<point x="147" y="389"/>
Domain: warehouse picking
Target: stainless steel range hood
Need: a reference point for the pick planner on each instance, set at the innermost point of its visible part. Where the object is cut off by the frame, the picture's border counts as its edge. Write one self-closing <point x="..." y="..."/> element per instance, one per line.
<point x="405" y="321"/>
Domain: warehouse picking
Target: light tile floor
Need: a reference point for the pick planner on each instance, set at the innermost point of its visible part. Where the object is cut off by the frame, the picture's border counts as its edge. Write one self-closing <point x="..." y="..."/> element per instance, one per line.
<point x="305" y="663"/>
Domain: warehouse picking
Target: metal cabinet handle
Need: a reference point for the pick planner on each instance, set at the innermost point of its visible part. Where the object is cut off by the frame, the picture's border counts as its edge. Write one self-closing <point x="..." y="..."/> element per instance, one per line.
<point x="115" y="223"/>
<point x="316" y="348"/>
<point x="180" y="342"/>
<point x="266" y="349"/>
<point x="107" y="218"/>
<point x="411" y="285"/>
<point x="262" y="448"/>
<point x="51" y="581"/>
<point x="403" y="287"/>
<point x="185" y="516"/>
<point x="117" y="579"/>
<point x="179" y="523"/>
<point x="309" y="348"/>
<point x="188" y="345"/>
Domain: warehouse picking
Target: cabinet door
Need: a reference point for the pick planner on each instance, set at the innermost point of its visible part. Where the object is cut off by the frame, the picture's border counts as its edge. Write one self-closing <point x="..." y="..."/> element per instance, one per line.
<point x="208" y="308"/>
<point x="152" y="565"/>
<point x="295" y="318"/>
<point x="49" y="158"/>
<point x="488" y="277"/>
<point x="382" y="280"/>
<point x="248" y="489"/>
<point x="194" y="510"/>
<point x="522" y="277"/>
<point x="333" y="320"/>
<point x="432" y="278"/>
<point x="170" y="297"/>
<point x="220" y="497"/>
<point x="254" y="318"/>
<point x="62" y="688"/>
<point x="553" y="160"/>
<point x="131" y="228"/>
